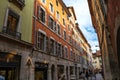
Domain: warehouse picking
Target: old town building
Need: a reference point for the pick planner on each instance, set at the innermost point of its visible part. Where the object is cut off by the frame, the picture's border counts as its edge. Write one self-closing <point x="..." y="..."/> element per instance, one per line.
<point x="15" y="41"/>
<point x="60" y="49"/>
<point x="105" y="16"/>
<point x="97" y="61"/>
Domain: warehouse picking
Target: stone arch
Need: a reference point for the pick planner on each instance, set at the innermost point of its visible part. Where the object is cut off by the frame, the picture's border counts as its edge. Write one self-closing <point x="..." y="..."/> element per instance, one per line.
<point x="117" y="37"/>
<point x="118" y="45"/>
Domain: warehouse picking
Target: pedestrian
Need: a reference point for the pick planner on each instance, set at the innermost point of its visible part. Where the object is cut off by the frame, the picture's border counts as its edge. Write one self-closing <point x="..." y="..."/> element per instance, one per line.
<point x="98" y="76"/>
<point x="1" y="76"/>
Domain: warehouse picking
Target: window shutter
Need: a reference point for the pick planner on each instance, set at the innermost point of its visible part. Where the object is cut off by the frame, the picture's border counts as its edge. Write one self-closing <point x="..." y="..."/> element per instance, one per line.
<point x="47" y="45"/>
<point x="38" y="12"/>
<point x="56" y="48"/>
<point x="62" y="51"/>
<point x="54" y="26"/>
<point x="49" y="21"/>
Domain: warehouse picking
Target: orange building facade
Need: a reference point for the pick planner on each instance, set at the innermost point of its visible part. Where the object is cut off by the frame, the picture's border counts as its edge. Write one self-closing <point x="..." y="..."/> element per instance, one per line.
<point x="60" y="49"/>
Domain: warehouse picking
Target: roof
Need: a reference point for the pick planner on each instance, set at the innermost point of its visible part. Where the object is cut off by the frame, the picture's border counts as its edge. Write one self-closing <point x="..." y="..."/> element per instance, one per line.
<point x="65" y="7"/>
<point x="97" y="54"/>
<point x="71" y="7"/>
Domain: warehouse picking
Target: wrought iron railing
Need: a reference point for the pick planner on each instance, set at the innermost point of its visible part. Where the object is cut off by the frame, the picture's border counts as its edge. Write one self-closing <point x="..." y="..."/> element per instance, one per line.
<point x="14" y="34"/>
<point x="21" y="3"/>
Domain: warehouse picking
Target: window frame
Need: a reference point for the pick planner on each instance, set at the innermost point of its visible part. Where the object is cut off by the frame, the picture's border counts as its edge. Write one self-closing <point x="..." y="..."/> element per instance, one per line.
<point x="66" y="52"/>
<point x="44" y="42"/>
<point x="49" y="23"/>
<point x="53" y="47"/>
<point x="64" y="35"/>
<point x="43" y="1"/>
<point x="58" y="29"/>
<point x="40" y="16"/>
<point x="17" y="33"/>
<point x="58" y="15"/>
<point x="51" y="7"/>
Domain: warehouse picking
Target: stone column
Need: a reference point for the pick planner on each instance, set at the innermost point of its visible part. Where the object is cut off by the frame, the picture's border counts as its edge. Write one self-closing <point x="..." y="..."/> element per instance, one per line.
<point x="56" y="73"/>
<point x="68" y="72"/>
<point x="32" y="73"/>
<point x="77" y="76"/>
<point x="49" y="72"/>
<point x="65" y="72"/>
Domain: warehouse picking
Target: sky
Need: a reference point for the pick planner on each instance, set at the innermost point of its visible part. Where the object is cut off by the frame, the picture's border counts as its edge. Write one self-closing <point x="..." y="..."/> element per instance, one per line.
<point x="84" y="20"/>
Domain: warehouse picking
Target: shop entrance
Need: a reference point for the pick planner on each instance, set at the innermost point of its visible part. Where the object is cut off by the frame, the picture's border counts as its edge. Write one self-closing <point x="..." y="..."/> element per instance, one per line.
<point x="9" y="73"/>
<point x="9" y="66"/>
<point x="41" y="71"/>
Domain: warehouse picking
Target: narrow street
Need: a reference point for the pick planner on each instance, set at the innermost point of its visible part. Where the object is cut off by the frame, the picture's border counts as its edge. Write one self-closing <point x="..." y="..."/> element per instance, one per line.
<point x="60" y="40"/>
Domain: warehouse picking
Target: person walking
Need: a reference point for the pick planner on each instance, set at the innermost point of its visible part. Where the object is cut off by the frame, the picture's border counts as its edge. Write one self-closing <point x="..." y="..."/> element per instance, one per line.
<point x="98" y="76"/>
<point x="1" y="76"/>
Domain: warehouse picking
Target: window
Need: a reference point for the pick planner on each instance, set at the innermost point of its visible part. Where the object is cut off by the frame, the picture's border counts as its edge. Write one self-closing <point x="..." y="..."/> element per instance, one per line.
<point x="68" y="27"/>
<point x="62" y="11"/>
<point x="40" y="41"/>
<point x="57" y="2"/>
<point x="59" y="50"/>
<point x="63" y="21"/>
<point x="54" y="26"/>
<point x="67" y="17"/>
<point x="41" y="14"/>
<point x="70" y="53"/>
<point x="58" y="29"/>
<point x="47" y="45"/>
<point x="43" y="1"/>
<point x="52" y="47"/>
<point x="19" y="3"/>
<point x="58" y="16"/>
<point x="11" y="26"/>
<point x="62" y="51"/>
<point x="64" y="33"/>
<point x="66" y="52"/>
<point x="51" y="8"/>
<point x="51" y="23"/>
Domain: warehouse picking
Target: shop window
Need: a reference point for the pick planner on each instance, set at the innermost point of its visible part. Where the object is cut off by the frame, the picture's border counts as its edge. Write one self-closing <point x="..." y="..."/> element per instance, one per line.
<point x="40" y="41"/>
<point x="11" y="28"/>
<point x="71" y="70"/>
<point x="41" y="14"/>
<point x="40" y="71"/>
<point x="9" y="66"/>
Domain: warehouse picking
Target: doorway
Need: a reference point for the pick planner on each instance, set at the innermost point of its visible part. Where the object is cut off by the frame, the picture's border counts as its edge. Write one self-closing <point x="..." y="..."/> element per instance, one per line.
<point x="118" y="46"/>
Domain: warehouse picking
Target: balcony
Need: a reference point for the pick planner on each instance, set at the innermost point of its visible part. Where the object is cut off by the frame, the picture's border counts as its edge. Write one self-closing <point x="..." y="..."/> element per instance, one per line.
<point x="7" y="31"/>
<point x="19" y="3"/>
